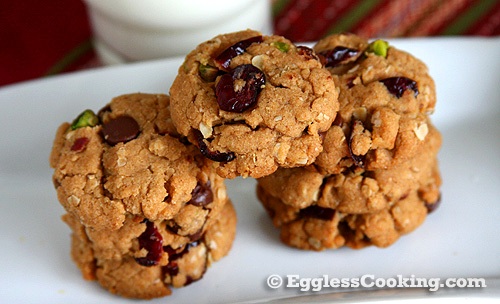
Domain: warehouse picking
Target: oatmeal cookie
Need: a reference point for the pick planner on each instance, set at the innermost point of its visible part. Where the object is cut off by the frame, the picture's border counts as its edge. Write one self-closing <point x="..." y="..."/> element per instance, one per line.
<point x="253" y="103"/>
<point x="147" y="210"/>
<point x="356" y="207"/>
<point x="129" y="160"/>
<point x="318" y="228"/>
<point x="358" y="191"/>
<point x="141" y="259"/>
<point x="386" y="96"/>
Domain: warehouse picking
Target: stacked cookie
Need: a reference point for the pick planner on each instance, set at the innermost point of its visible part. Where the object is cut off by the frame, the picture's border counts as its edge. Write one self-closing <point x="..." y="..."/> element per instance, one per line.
<point x="254" y="103"/>
<point x="338" y="137"/>
<point x="147" y="210"/>
<point x="377" y="177"/>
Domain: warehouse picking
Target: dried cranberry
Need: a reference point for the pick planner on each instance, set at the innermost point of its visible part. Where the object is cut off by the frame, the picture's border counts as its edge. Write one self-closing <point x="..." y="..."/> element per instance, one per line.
<point x="398" y="85"/>
<point x="359" y="160"/>
<point x="201" y="195"/>
<point x="224" y="58"/>
<point x="338" y="55"/>
<point x="197" y="235"/>
<point x="152" y="241"/>
<point x="238" y="90"/>
<point x="318" y="212"/>
<point x="120" y="129"/>
<point x="80" y="144"/>
<point x="307" y="53"/>
<point x="172" y="269"/>
<point x="174" y="228"/>
<point x="215" y="156"/>
<point x="338" y="121"/>
<point x="170" y="251"/>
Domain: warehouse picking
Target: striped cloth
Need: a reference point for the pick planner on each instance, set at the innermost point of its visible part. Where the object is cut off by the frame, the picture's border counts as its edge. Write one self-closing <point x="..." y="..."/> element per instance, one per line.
<point x="385" y="18"/>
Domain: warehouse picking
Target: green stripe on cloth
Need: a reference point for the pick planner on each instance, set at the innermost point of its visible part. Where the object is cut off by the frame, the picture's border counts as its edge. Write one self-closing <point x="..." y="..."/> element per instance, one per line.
<point x="467" y="19"/>
<point x="278" y="6"/>
<point x="70" y="58"/>
<point x="353" y="16"/>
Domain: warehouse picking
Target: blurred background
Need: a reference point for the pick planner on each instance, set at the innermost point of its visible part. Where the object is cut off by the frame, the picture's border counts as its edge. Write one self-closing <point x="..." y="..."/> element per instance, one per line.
<point x="43" y="38"/>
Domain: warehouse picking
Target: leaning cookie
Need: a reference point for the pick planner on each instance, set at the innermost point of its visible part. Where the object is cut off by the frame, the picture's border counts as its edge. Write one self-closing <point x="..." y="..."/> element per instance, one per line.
<point x="128" y="160"/>
<point x="253" y="103"/>
<point x="139" y="259"/>
<point x="385" y="98"/>
<point x="357" y="207"/>
<point x="356" y="190"/>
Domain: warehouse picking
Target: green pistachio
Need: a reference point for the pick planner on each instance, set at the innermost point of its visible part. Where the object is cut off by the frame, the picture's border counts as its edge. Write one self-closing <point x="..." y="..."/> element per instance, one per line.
<point x="282" y="46"/>
<point x="207" y="72"/>
<point x="86" y="119"/>
<point x="379" y="47"/>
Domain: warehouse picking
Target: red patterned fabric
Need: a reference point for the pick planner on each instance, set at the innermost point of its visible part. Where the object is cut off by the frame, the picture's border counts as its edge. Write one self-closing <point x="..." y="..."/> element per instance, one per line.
<point x="386" y="18"/>
<point x="40" y="38"/>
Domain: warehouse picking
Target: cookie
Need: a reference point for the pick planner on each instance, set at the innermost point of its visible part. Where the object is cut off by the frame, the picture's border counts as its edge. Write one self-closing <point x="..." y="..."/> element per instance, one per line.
<point x="253" y="103"/>
<point x="130" y="160"/>
<point x="355" y="208"/>
<point x="318" y="228"/>
<point x="122" y="260"/>
<point x="147" y="209"/>
<point x="386" y="96"/>
<point x="359" y="191"/>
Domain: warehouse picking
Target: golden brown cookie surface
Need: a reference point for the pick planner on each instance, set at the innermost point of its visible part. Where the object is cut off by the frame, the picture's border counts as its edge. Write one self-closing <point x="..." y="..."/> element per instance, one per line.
<point x="354" y="208"/>
<point x="385" y="98"/>
<point x="101" y="176"/>
<point x="120" y="260"/>
<point x="147" y="210"/>
<point x="253" y="103"/>
<point x="377" y="176"/>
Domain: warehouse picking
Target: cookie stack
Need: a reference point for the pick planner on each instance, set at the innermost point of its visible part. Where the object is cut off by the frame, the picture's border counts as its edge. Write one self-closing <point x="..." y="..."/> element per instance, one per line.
<point x="147" y="210"/>
<point x="338" y="137"/>
<point x="377" y="177"/>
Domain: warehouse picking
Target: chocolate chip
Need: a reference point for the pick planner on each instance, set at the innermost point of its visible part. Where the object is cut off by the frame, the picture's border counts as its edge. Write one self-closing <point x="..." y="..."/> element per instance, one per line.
<point x="120" y="129"/>
<point x="433" y="206"/>
<point x="103" y="111"/>
<point x="317" y="212"/>
<point x="175" y="228"/>
<point x="201" y="195"/>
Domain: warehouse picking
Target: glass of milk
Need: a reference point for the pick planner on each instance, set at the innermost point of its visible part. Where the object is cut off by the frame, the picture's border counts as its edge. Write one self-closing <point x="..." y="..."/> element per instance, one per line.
<point x="133" y="30"/>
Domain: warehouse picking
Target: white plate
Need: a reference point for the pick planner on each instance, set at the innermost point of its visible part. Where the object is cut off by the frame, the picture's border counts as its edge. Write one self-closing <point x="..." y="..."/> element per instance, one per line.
<point x="459" y="240"/>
